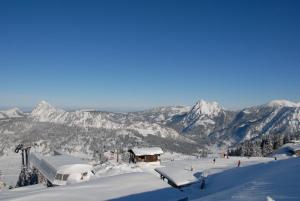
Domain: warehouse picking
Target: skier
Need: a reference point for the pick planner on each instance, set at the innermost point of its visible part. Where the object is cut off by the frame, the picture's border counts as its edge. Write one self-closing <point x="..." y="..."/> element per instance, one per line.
<point x="239" y="163"/>
<point x="214" y="160"/>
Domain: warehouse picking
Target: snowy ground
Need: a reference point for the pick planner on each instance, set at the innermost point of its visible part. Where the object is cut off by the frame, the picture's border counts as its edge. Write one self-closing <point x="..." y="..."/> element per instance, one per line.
<point x="257" y="179"/>
<point x="10" y="167"/>
<point x="276" y="180"/>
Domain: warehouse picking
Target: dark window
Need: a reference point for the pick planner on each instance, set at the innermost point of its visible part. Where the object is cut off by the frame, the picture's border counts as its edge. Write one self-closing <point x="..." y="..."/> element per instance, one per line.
<point x="65" y="177"/>
<point x="58" y="176"/>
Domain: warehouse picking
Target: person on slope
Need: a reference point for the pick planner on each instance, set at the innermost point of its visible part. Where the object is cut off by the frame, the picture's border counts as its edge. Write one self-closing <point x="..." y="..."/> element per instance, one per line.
<point x="239" y="163"/>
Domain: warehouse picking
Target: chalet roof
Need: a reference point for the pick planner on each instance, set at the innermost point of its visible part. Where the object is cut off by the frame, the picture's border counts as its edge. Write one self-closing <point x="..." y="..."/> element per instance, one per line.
<point x="147" y="151"/>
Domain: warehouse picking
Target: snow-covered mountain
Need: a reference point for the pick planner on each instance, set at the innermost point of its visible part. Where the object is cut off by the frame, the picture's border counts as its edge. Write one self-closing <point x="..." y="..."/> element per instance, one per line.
<point x="275" y="117"/>
<point x="44" y="112"/>
<point x="203" y="119"/>
<point x="11" y="113"/>
<point x="282" y="103"/>
<point x="144" y="123"/>
<point x="175" y="127"/>
<point x="202" y="114"/>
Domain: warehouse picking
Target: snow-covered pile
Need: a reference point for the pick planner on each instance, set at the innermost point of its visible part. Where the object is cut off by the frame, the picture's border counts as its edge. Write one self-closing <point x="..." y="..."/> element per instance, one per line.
<point x="179" y="177"/>
<point x="112" y="169"/>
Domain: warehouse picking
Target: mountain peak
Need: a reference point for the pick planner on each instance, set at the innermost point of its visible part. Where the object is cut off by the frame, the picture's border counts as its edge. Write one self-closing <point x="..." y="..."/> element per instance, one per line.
<point x="43" y="102"/>
<point x="202" y="113"/>
<point x="282" y="103"/>
<point x="207" y="108"/>
<point x="44" y="108"/>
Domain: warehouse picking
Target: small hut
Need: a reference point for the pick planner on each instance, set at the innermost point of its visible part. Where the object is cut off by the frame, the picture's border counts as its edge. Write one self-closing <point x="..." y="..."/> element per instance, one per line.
<point x="145" y="154"/>
<point x="295" y="149"/>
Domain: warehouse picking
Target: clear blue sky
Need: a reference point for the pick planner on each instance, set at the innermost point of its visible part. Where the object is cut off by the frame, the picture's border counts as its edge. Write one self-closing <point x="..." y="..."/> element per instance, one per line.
<point x="137" y="54"/>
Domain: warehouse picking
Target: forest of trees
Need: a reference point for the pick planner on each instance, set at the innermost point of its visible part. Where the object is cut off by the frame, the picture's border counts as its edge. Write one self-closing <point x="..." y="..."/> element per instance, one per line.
<point x="263" y="146"/>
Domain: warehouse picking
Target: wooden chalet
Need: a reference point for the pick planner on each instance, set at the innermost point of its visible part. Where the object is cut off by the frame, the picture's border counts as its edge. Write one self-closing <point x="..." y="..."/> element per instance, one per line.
<point x="145" y="154"/>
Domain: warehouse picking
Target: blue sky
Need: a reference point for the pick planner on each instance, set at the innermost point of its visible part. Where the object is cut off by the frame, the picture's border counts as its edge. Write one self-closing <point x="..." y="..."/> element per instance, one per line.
<point x="128" y="55"/>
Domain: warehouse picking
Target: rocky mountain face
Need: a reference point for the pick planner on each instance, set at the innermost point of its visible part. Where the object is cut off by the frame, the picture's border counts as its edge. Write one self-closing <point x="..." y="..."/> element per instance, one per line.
<point x="178" y="128"/>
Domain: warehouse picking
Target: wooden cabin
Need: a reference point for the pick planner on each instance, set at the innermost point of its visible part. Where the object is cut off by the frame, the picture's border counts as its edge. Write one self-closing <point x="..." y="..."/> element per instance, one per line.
<point x="145" y="154"/>
<point x="296" y="149"/>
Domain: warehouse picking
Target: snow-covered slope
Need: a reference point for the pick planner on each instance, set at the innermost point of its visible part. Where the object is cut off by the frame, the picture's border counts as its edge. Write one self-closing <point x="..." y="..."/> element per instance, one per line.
<point x="11" y="113"/>
<point x="139" y="186"/>
<point x="203" y="119"/>
<point x="203" y="123"/>
<point x="275" y="117"/>
<point x="282" y="103"/>
<point x="44" y="112"/>
<point x="277" y="180"/>
<point x="202" y="113"/>
<point x="161" y="114"/>
<point x="257" y="179"/>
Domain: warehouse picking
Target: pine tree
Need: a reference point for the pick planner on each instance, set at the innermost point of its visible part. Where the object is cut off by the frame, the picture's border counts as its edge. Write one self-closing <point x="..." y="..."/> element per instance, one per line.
<point x="266" y="146"/>
<point x="286" y="139"/>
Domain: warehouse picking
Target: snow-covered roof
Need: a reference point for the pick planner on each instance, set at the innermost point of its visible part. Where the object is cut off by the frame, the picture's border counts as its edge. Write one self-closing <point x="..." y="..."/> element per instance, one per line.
<point x="61" y="160"/>
<point x="147" y="151"/>
<point x="49" y="166"/>
<point x="295" y="147"/>
<point x="178" y="175"/>
<point x="139" y="186"/>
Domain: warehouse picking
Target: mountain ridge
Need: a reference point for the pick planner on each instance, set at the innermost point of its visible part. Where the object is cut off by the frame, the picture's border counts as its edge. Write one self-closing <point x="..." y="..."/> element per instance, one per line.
<point x="205" y="123"/>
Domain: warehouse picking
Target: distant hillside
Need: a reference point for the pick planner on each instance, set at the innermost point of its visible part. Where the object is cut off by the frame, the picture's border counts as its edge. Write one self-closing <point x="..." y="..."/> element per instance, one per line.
<point x="175" y="128"/>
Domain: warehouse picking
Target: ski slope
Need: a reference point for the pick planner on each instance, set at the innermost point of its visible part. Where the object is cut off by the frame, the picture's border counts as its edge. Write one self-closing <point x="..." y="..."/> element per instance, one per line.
<point x="276" y="180"/>
<point x="257" y="179"/>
